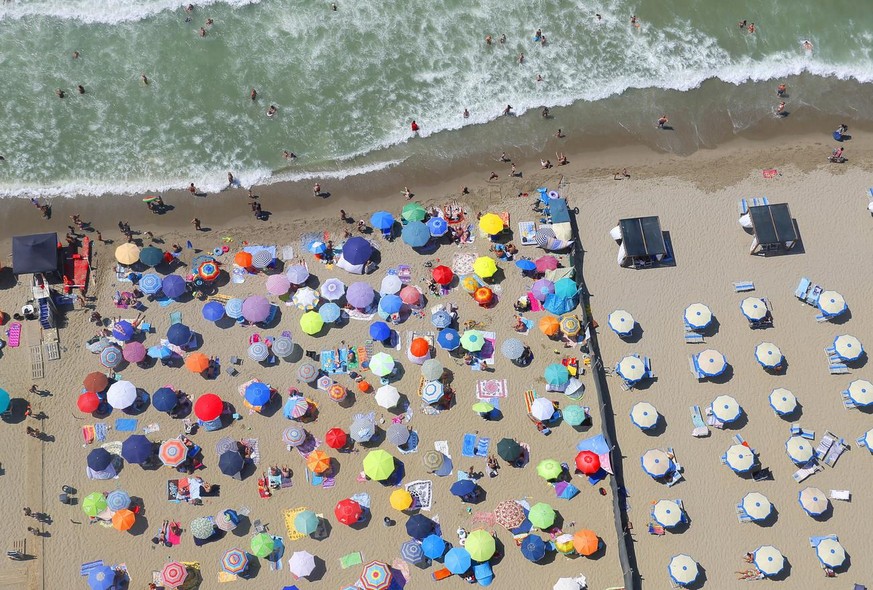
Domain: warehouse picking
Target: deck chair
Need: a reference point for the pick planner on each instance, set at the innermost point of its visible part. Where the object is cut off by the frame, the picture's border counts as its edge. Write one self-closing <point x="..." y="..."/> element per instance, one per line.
<point x="259" y="527"/>
<point x="743" y="286"/>
<point x="802" y="289"/>
<point x="692" y="337"/>
<point x="796" y="430"/>
<point x="742" y="515"/>
<point x="700" y="427"/>
<point x="175" y="318"/>
<point x="647" y="364"/>
<point x="743" y="207"/>
<point x="828" y="440"/>
<point x="837" y="449"/>
<point x="695" y="370"/>
<point x="844" y="495"/>
<point x="838" y="369"/>
<point x="804" y="472"/>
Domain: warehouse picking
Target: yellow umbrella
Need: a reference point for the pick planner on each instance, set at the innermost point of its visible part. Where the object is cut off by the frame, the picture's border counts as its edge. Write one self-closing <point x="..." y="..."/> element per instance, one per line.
<point x="400" y="499"/>
<point x="469" y="283"/>
<point x="564" y="543"/>
<point x="484" y="266"/>
<point x="311" y="322"/>
<point x="491" y="224"/>
<point x="127" y="253"/>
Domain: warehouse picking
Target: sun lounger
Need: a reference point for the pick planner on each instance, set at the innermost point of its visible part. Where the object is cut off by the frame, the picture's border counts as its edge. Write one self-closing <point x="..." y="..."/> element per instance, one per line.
<point x="712" y="420"/>
<point x="838" y="369"/>
<point x="743" y="286"/>
<point x="692" y="337"/>
<point x="743" y="206"/>
<point x="813" y="294"/>
<point x="656" y="529"/>
<point x="742" y="515"/>
<point x="796" y="430"/>
<point x="827" y="441"/>
<point x="837" y="449"/>
<point x="802" y="289"/>
<point x="762" y="474"/>
<point x="804" y="472"/>
<point x="527" y="231"/>
<point x="695" y="370"/>
<point x="647" y="364"/>
<point x="700" y="428"/>
<point x="844" y="495"/>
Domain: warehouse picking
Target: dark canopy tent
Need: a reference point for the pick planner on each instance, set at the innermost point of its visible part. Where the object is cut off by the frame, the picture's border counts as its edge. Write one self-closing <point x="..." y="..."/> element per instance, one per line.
<point x="558" y="211"/>
<point x="773" y="227"/>
<point x="37" y="253"/>
<point x="642" y="241"/>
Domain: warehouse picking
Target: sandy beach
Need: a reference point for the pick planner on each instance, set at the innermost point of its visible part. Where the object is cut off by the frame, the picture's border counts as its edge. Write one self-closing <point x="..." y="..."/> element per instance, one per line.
<point x="696" y="199"/>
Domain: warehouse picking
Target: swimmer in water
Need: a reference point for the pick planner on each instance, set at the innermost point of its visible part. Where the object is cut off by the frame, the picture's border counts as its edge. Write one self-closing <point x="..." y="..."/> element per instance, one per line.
<point x="272" y="110"/>
<point x="144" y="79"/>
<point x="539" y="78"/>
<point x="634" y="21"/>
<point x="543" y="41"/>
<point x="487" y="39"/>
<point x="289" y="155"/>
<point x="209" y="22"/>
<point x="503" y="38"/>
<point x="742" y="24"/>
<point x="466" y="114"/>
<point x="202" y="32"/>
<point x="253" y="94"/>
<point x="538" y="34"/>
<point x="780" y="110"/>
<point x="545" y="111"/>
<point x="333" y="7"/>
<point x="752" y="28"/>
<point x="81" y="89"/>
<point x="521" y="58"/>
<point x="507" y="110"/>
<point x="60" y="93"/>
<point x="780" y="90"/>
<point x="662" y="121"/>
<point x="75" y="55"/>
<point x="807" y="45"/>
<point x="598" y="17"/>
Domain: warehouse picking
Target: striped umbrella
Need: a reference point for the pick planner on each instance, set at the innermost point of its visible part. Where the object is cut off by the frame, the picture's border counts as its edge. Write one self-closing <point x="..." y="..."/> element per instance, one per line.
<point x="375" y="576"/>
<point x="397" y="434"/>
<point x="226" y="520"/>
<point x="235" y="561"/>
<point x="726" y="408"/>
<point x="174" y="574"/>
<point x="296" y="274"/>
<point x="631" y="369"/>
<point x="172" y="452"/>
<point x="150" y="283"/>
<point x="509" y="514"/>
<point x="813" y="501"/>
<point x="283" y="346"/>
<point x="860" y="391"/>
<point x="756" y="505"/>
<point x="768" y="560"/>
<point x="769" y="355"/>
<point x="208" y="271"/>
<point x="740" y="458"/>
<point x="411" y="551"/>
<point x="294" y="436"/>
<point x="441" y="319"/>
<point x="117" y="500"/>
<point x="683" y="569"/>
<point x="233" y="308"/>
<point x="433" y="460"/>
<point x="570" y="325"/>
<point x="830" y="552"/>
<point x="544" y="235"/>
<point x="667" y="513"/>
<point x="782" y="401"/>
<point x="656" y="463"/>
<point x="258" y="351"/>
<point x="110" y="357"/>
<point x="711" y="363"/>
<point x="753" y="308"/>
<point x="226" y="444"/>
<point x="305" y="298"/>
<point x="262" y="258"/>
<point x="799" y="449"/>
<point x="337" y="392"/>
<point x="362" y="429"/>
<point x="831" y="303"/>
<point x="644" y="415"/>
<point x="621" y="322"/>
<point x="848" y="347"/>
<point x="307" y="372"/>
<point x="698" y="316"/>
<point x="332" y="289"/>
<point x="296" y="407"/>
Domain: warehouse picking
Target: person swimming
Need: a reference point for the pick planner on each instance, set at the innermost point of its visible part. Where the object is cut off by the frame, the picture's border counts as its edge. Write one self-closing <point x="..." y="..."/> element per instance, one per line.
<point x="81" y="89"/>
<point x="144" y="79"/>
<point x="272" y="110"/>
<point x="253" y="94"/>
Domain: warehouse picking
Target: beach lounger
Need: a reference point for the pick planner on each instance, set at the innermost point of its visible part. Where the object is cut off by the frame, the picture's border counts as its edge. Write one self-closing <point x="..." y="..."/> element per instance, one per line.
<point x="656" y="529"/>
<point x="695" y="370"/>
<point x="802" y="289"/>
<point x="762" y="474"/>
<point x="527" y="231"/>
<point x="837" y="449"/>
<point x="813" y="295"/>
<point x="844" y="495"/>
<point x="742" y="515"/>
<point x="827" y="441"/>
<point x="647" y="364"/>
<point x="700" y="428"/>
<point x="804" y="472"/>
<point x="743" y="286"/>
<point x="838" y="369"/>
<point x="743" y="206"/>
<point x="692" y="337"/>
<point x="712" y="420"/>
<point x="796" y="430"/>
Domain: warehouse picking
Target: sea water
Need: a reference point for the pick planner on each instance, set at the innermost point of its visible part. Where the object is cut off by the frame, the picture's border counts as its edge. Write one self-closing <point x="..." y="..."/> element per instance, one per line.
<point x="348" y="83"/>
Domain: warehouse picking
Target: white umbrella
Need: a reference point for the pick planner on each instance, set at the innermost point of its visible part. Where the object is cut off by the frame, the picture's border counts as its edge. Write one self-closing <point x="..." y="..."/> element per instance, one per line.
<point x="391" y="285"/>
<point x="768" y="354"/>
<point x="121" y="395"/>
<point x="578" y="583"/>
<point x="644" y="415"/>
<point x="831" y="303"/>
<point x="753" y="308"/>
<point x="830" y="552"/>
<point x="332" y="289"/>
<point x="631" y="369"/>
<point x="756" y="505"/>
<point x="432" y="370"/>
<point x="656" y="463"/>
<point x="848" y="347"/>
<point x="740" y="458"/>
<point x="799" y="449"/>
<point x="667" y="513"/>
<point x="726" y="408"/>
<point x="621" y="322"/>
<point x="711" y="363"/>
<point x="683" y="570"/>
<point x="782" y="401"/>
<point x="813" y="501"/>
<point x="867" y="440"/>
<point x="305" y="298"/>
<point x="302" y="563"/>
<point x="387" y="396"/>
<point x="542" y="408"/>
<point x="860" y="391"/>
<point x="698" y="316"/>
<point x="769" y="560"/>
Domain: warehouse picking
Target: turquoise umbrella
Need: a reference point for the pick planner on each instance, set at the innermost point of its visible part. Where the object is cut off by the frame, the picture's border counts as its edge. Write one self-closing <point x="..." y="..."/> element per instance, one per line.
<point x="4" y="400"/>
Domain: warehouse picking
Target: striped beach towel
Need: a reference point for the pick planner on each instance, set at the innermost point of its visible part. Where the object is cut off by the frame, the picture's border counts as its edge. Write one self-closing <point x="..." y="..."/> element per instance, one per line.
<point x="482" y="446"/>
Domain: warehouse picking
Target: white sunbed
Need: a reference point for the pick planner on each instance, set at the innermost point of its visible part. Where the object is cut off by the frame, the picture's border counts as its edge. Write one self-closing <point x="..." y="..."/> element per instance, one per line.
<point x="844" y="495"/>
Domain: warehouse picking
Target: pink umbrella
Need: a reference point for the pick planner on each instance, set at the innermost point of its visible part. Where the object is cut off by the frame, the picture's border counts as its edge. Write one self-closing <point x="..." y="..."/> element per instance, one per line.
<point x="410" y="295"/>
<point x="256" y="308"/>
<point x="278" y="284"/>
<point x="133" y="352"/>
<point x="542" y="288"/>
<point x="545" y="263"/>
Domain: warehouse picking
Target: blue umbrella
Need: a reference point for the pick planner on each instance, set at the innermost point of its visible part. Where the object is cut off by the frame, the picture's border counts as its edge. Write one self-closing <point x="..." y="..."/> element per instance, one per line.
<point x="136" y="448"/>
<point x="379" y="331"/>
<point x="257" y="394"/>
<point x="533" y="547"/>
<point x="151" y="256"/>
<point x="463" y="487"/>
<point x="483" y="573"/>
<point x="411" y="551"/>
<point x="230" y="463"/>
<point x="317" y="247"/>
<point x="99" y="459"/>
<point x="449" y="339"/>
<point x="117" y="500"/>
<point x="329" y="312"/>
<point x="179" y="334"/>
<point x="566" y="288"/>
<point x="390" y="304"/>
<point x="164" y="399"/>
<point x="441" y="319"/>
<point x="159" y="352"/>
<point x="558" y="305"/>
<point x="357" y="250"/>
<point x="150" y="283"/>
<point x="123" y="330"/>
<point x="101" y="578"/>
<point x="437" y="226"/>
<point x="173" y="286"/>
<point x="213" y="311"/>
<point x="419" y="526"/>
<point x="458" y="560"/>
<point x="526" y="265"/>
<point x="416" y="234"/>
<point x="233" y="308"/>
<point x="382" y="220"/>
<point x="433" y="546"/>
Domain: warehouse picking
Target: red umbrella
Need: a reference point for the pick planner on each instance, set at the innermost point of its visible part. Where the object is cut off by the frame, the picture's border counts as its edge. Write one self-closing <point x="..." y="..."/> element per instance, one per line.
<point x="443" y="275"/>
<point x="587" y="462"/>
<point x="96" y="381"/>
<point x="348" y="511"/>
<point x="336" y="438"/>
<point x="410" y="295"/>
<point x="208" y="407"/>
<point x="88" y="402"/>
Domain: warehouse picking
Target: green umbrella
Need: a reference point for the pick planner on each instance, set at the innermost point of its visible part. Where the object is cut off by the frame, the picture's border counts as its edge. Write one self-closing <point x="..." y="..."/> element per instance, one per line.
<point x="508" y="449"/>
<point x="94" y="504"/>
<point x="473" y="340"/>
<point x="378" y="465"/>
<point x="549" y="469"/>
<point x="482" y="407"/>
<point x="202" y="528"/>
<point x="413" y="212"/>
<point x="480" y="545"/>
<point x="541" y="515"/>
<point x="306" y="522"/>
<point x="574" y="415"/>
<point x="262" y="544"/>
<point x="381" y="364"/>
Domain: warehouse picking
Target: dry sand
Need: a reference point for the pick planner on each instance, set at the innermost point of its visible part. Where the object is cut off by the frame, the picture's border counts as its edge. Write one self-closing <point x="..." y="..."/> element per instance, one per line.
<point x="696" y="199"/>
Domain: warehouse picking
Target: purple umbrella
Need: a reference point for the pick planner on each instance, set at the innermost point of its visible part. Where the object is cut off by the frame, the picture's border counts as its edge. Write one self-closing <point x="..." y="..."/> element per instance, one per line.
<point x="360" y="295"/>
<point x="297" y="274"/>
<point x="278" y="284"/>
<point x="256" y="308"/>
<point x="542" y="288"/>
<point x="133" y="352"/>
<point x="173" y="286"/>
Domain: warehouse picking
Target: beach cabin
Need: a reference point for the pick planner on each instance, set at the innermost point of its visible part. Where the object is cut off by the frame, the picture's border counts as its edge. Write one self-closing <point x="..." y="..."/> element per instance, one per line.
<point x="773" y="228"/>
<point x="641" y="242"/>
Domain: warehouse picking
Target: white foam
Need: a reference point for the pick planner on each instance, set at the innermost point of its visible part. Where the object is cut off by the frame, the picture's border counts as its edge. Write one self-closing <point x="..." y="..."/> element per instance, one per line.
<point x="102" y="11"/>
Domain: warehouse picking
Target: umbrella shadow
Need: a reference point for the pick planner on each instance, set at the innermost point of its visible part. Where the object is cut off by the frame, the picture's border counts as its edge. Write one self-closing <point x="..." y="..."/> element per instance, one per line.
<point x="658" y="429"/>
<point x="782" y="575"/>
<point x="700" y="582"/>
<point x="726" y="376"/>
<point x="397" y="476"/>
<point x="322" y="533"/>
<point x="770" y="520"/>
<point x="794" y="415"/>
<point x="738" y="424"/>
<point x="635" y="336"/>
<point x="140" y="525"/>
<point x="225" y="322"/>
<point x="15" y="413"/>
<point x="712" y="329"/>
<point x="320" y="570"/>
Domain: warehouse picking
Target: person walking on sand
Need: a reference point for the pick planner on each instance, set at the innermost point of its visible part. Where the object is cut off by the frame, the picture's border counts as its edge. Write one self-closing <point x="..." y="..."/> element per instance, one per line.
<point x="316" y="190"/>
<point x="192" y="189"/>
<point x="196" y="223"/>
<point x="662" y="121"/>
<point x="493" y="176"/>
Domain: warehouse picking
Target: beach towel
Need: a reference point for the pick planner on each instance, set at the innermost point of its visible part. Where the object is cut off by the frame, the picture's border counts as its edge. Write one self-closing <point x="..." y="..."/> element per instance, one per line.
<point x="528" y="324"/>
<point x="487" y="389"/>
<point x="363" y="499"/>
<point x="771" y="173"/>
<point x="482" y="446"/>
<point x="100" y="430"/>
<point x="172" y="537"/>
<point x="89" y="434"/>
<point x="328" y="482"/>
<point x="422" y="493"/>
<point x="356" y="314"/>
<point x="468" y="449"/>
<point x="14" y="335"/>
<point x="404" y="273"/>
<point x="462" y="264"/>
<point x="153" y="427"/>
<point x="535" y="305"/>
<point x="487" y="352"/>
<point x="289" y="515"/>
<point x="125" y="424"/>
<point x="351" y="560"/>
<point x="86" y="568"/>
<point x="527" y="231"/>
<point x="442" y="446"/>
<point x="330" y="364"/>
<point x="224" y="577"/>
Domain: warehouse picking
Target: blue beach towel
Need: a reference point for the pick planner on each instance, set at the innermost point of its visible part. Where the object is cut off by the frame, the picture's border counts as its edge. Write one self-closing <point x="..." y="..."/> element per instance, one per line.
<point x="125" y="424"/>
<point x="482" y="447"/>
<point x="469" y="447"/>
<point x="100" y="430"/>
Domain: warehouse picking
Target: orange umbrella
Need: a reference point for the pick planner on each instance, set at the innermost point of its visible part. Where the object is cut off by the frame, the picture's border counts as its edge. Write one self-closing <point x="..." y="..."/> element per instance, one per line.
<point x="549" y="325"/>
<point x="337" y="392"/>
<point x="363" y="386"/>
<point x="318" y="461"/>
<point x="483" y="295"/>
<point x="419" y="347"/>
<point x="585" y="542"/>
<point x="123" y="519"/>
<point x="197" y="362"/>
<point x="243" y="259"/>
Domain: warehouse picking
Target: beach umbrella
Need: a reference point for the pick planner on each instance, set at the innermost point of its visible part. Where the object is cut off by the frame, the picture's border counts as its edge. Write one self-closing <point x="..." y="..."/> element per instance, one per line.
<point x="656" y="463"/>
<point x="569" y="584"/>
<point x="213" y="311"/>
<point x="123" y="519"/>
<point x="150" y="283"/>
<point x="509" y="514"/>
<point x="378" y="465"/>
<point x="256" y="308"/>
<point x="740" y="458"/>
<point x="866" y="440"/>
<point x="307" y="372"/>
<point x="411" y="551"/>
<point x="533" y="547"/>
<point x="110" y="357"/>
<point x="329" y="312"/>
<point x="283" y="346"/>
<point x="463" y="487"/>
<point x="442" y="274"/>
<point x="588" y="462"/>
<point x="174" y="574"/>
<point x="711" y="363"/>
<point x="257" y="393"/>
<point x="258" y="351"/>
<point x="799" y="449"/>
<point x="390" y="285"/>
<point x="317" y="461"/>
<point x="433" y="546"/>
<point x="541" y="515"/>
<point x="382" y="220"/>
<point x="566" y="288"/>
<point x="397" y="434"/>
<point x="337" y="392"/>
<point x="754" y="308"/>
<point x="208" y="407"/>
<point x="317" y="247"/>
<point x="360" y="295"/>
<point x="362" y="429"/>
<point x="278" y="284"/>
<point x="643" y="415"/>
<point x="262" y="545"/>
<point x="480" y="545"/>
<point x="438" y="226"/>
<point x="756" y="505"/>
<point x="526" y="265"/>
<point x="482" y="407"/>
<point x="381" y="364"/>
<point x="233" y="308"/>
<point x="769" y="355"/>
<point x="348" y="511"/>
<point x="698" y="316"/>
<point x="375" y="576"/>
<point x="542" y="288"/>
<point x="387" y="396"/>
<point x="470" y="283"/>
<point x="485" y="267"/>
<point x="357" y="251"/>
<point x="457" y="560"/>
<point x="813" y="501"/>
<point x="243" y="259"/>
<point x="631" y="368"/>
<point x="296" y="274"/>
<point x="262" y="258"/>
<point x="441" y="319"/>
<point x="782" y="401"/>
<point x="509" y="450"/>
<point x="136" y="448"/>
<point x="831" y="303"/>
<point x="433" y="460"/>
<point x="621" y="322"/>
<point x="830" y="552"/>
<point x="570" y="325"/>
<point x="472" y="340"/>
<point x="848" y="347"/>
<point x="311" y="323"/>
<point x="133" y="352"/>
<point x="95" y="381"/>
<point x="512" y="348"/>
<point x="726" y="408"/>
<point x="174" y="286"/>
<point x="179" y="334"/>
<point x="235" y="561"/>
<point x="201" y="528"/>
<point x="94" y="503"/>
<point x="413" y="212"/>
<point x="549" y="469"/>
<point x="230" y="463"/>
<point x="667" y="513"/>
<point x="123" y="330"/>
<point x="121" y="395"/>
<point x="544" y="263"/>
<point x="419" y="526"/>
<point x="491" y="224"/>
<point x="293" y="436"/>
<point x="416" y="234"/>
<point x="197" y="362"/>
<point x="159" y="352"/>
<point x="542" y="409"/>
<point x="332" y="289"/>
<point x="99" y="459"/>
<point x="860" y="391"/>
<point x="227" y="520"/>
<point x="127" y="254"/>
<point x="449" y="339"/>
<point x="549" y="325"/>
<point x="226" y="444"/>
<point x="336" y="438"/>
<point x="208" y="271"/>
<point x="682" y="569"/>
<point x="390" y="304"/>
<point x="172" y="452"/>
<point x="400" y="499"/>
<point x="306" y="522"/>
<point x="768" y="560"/>
<point x="88" y="402"/>
<point x="410" y="295"/>
<point x="419" y="350"/>
<point x="101" y="578"/>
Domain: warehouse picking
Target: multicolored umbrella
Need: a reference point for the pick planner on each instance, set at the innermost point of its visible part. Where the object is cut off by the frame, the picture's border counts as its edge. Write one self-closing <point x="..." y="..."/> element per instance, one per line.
<point x="473" y="340"/>
<point x="172" y="452"/>
<point x="201" y="528"/>
<point x="381" y="364"/>
<point x="262" y="545"/>
<point x="110" y="357"/>
<point x="262" y="258"/>
<point x="307" y="372"/>
<point x="683" y="569"/>
<point x="621" y="322"/>
<point x="294" y="436"/>
<point x="782" y="401"/>
<point x="375" y="576"/>
<point x="209" y="271"/>
<point x="332" y="289"/>
<point x="227" y="520"/>
<point x="235" y="561"/>
<point x="174" y="574"/>
<point x="756" y="505"/>
<point x="509" y="514"/>
<point x="570" y="325"/>
<point x="150" y="283"/>
<point x="337" y="392"/>
<point x="768" y="560"/>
